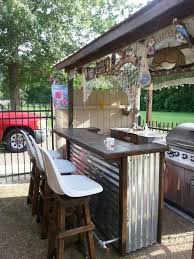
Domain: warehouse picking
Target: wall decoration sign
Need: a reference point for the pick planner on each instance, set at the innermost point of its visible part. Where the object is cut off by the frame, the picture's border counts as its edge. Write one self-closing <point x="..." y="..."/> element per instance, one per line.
<point x="151" y="47"/>
<point x="157" y="42"/>
<point x="103" y="66"/>
<point x="125" y="66"/>
<point x="110" y="65"/>
<point x="90" y="73"/>
<point x="113" y="60"/>
<point x="144" y="75"/>
<point x="170" y="36"/>
<point x="126" y="57"/>
<point x="182" y="34"/>
<point x="122" y="58"/>
<point x="72" y="74"/>
<point x="88" y="76"/>
<point x="60" y="96"/>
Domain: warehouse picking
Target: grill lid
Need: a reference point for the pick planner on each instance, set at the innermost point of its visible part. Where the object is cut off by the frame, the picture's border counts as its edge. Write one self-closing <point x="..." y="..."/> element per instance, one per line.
<point x="182" y="136"/>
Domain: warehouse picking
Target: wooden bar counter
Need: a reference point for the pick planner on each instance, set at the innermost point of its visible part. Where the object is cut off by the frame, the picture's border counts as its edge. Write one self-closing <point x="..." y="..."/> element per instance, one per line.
<point x="130" y="206"/>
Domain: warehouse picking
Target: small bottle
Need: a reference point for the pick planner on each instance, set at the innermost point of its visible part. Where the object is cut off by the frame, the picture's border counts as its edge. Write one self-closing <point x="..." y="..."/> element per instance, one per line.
<point x="146" y="129"/>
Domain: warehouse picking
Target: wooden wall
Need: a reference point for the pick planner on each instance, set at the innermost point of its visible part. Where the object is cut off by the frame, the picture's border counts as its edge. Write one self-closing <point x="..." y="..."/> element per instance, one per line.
<point x="102" y="110"/>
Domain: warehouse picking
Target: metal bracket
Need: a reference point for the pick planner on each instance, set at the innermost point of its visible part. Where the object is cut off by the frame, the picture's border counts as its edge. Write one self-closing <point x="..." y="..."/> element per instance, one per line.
<point x="103" y="244"/>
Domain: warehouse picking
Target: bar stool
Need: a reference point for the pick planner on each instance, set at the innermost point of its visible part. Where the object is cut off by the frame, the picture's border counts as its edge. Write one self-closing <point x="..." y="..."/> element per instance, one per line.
<point x="54" y="153"/>
<point x="65" y="167"/>
<point x="71" y="191"/>
<point x="32" y="156"/>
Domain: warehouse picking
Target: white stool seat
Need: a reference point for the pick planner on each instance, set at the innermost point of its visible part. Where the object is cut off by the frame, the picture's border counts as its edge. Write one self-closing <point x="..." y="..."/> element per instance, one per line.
<point x="71" y="185"/>
<point x="30" y="148"/>
<point x="79" y="186"/>
<point x="55" y="154"/>
<point x="65" y="166"/>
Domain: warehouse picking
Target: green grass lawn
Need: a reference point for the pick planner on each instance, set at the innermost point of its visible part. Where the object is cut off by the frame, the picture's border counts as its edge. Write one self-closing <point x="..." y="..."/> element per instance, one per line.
<point x="171" y="117"/>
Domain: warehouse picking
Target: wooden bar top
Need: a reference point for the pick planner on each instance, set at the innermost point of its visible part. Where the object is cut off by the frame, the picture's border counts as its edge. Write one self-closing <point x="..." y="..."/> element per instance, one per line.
<point x="95" y="143"/>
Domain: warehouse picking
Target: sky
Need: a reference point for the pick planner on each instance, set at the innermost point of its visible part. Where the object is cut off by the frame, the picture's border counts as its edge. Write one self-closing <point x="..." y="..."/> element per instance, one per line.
<point x="136" y="2"/>
<point x="89" y="36"/>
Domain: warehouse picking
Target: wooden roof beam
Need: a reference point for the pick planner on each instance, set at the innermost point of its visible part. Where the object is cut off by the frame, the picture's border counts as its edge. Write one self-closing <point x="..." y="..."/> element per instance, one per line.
<point x="150" y="19"/>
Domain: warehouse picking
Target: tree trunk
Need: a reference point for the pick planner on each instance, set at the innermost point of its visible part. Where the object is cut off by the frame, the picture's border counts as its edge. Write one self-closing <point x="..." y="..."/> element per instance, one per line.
<point x="13" y="84"/>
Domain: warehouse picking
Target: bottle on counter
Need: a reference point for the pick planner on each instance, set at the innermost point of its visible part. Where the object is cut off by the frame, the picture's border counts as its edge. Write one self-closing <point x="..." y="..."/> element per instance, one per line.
<point x="146" y="129"/>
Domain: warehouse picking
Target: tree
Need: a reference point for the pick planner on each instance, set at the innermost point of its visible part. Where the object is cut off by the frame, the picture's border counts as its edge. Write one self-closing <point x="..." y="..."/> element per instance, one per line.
<point x="172" y="99"/>
<point x="36" y="33"/>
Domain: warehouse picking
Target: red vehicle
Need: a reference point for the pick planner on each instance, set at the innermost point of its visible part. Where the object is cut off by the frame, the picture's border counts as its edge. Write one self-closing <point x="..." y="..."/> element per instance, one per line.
<point x="11" y="122"/>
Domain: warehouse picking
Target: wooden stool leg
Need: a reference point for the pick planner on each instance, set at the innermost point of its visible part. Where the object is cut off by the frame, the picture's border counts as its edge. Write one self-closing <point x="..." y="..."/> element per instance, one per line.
<point x="61" y="215"/>
<point x="82" y="235"/>
<point x="31" y="186"/>
<point x="39" y="209"/>
<point x="36" y="191"/>
<point x="90" y="238"/>
<point x="51" y="228"/>
<point x="30" y="191"/>
<point x="44" y="223"/>
<point x="41" y="203"/>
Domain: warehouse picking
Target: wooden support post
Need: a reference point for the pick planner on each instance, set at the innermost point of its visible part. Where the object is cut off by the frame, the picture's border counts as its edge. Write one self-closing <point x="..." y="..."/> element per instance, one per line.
<point x="137" y="107"/>
<point x="52" y="124"/>
<point x="70" y="109"/>
<point x="149" y="104"/>
<point x="70" y="113"/>
<point x="123" y="183"/>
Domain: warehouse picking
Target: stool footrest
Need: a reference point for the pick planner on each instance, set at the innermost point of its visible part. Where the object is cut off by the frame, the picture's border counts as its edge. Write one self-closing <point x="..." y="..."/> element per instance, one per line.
<point x="76" y="231"/>
<point x="71" y="202"/>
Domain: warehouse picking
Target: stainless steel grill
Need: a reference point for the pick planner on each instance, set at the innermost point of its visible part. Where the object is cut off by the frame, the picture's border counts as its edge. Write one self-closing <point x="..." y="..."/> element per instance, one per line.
<point x="179" y="173"/>
<point x="182" y="137"/>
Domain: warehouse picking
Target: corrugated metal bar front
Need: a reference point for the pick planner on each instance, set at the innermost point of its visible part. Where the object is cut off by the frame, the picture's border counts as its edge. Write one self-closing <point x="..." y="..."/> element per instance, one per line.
<point x="143" y="195"/>
<point x="104" y="206"/>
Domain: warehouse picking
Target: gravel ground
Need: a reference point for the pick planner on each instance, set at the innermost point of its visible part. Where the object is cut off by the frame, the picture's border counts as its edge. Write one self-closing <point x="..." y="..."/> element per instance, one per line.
<point x="20" y="239"/>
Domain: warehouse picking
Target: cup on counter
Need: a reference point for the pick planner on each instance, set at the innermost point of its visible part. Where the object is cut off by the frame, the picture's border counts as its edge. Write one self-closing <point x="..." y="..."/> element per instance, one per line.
<point x="109" y="143"/>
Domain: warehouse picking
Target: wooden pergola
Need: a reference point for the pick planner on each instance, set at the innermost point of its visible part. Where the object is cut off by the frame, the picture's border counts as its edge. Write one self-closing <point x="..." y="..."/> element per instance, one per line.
<point x="138" y="28"/>
<point x="155" y="16"/>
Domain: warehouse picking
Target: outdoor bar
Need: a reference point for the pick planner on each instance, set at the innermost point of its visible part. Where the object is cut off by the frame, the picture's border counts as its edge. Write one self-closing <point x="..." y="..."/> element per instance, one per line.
<point x="135" y="54"/>
<point x="129" y="210"/>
